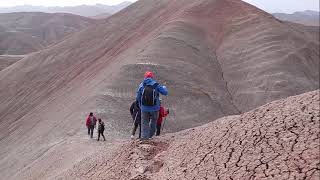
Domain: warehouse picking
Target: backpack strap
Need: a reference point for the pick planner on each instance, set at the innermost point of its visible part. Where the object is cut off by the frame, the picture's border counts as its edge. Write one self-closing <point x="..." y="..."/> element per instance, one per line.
<point x="155" y="85"/>
<point x="155" y="90"/>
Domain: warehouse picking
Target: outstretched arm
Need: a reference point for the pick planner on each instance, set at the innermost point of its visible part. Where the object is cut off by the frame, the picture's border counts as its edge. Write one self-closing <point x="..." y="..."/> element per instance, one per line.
<point x="163" y="90"/>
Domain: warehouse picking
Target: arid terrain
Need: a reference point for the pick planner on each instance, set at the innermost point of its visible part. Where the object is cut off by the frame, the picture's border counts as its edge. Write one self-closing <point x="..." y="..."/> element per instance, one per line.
<point x="26" y="32"/>
<point x="279" y="140"/>
<point x="218" y="58"/>
<point x="8" y="60"/>
<point x="81" y="10"/>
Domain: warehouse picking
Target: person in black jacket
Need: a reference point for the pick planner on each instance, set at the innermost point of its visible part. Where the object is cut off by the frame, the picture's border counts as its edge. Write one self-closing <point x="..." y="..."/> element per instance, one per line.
<point x="135" y="112"/>
<point x="100" y="129"/>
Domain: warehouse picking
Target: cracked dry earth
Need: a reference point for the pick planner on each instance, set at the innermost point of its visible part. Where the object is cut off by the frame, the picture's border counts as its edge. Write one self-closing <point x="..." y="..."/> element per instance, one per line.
<point x="279" y="140"/>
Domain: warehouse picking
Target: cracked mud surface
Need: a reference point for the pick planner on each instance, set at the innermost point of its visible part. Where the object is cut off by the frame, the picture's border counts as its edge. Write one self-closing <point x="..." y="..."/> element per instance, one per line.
<point x="279" y="140"/>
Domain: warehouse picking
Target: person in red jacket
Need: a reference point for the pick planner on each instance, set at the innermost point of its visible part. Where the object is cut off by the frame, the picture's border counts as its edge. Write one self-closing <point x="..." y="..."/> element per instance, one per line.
<point x="91" y="123"/>
<point x="162" y="114"/>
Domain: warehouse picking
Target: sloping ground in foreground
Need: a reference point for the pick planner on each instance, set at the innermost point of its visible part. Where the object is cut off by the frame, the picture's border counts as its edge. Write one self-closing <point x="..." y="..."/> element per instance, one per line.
<point x="279" y="140"/>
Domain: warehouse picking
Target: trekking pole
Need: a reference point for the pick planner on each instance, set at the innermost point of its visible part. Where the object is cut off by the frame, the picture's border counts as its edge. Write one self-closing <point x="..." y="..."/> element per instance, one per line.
<point x="134" y="122"/>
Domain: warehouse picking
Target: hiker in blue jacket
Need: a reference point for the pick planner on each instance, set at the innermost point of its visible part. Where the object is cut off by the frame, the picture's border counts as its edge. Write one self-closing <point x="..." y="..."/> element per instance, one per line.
<point x="148" y="97"/>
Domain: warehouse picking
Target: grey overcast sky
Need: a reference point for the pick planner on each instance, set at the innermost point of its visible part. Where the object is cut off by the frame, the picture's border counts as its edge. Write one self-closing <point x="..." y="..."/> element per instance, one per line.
<point x="8" y="3"/>
<point x="285" y="5"/>
<point x="267" y="5"/>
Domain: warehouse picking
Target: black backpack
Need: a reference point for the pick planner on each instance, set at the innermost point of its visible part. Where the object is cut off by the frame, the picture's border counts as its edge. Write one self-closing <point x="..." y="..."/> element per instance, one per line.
<point x="101" y="126"/>
<point x="149" y="95"/>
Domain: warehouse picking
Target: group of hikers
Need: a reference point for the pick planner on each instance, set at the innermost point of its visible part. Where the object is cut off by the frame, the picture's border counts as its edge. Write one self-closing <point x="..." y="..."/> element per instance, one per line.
<point x="91" y="124"/>
<point x="146" y="111"/>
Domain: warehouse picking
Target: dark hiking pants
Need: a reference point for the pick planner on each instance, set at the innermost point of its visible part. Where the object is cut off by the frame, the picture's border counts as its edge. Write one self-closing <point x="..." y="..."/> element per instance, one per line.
<point x="90" y="131"/>
<point x="101" y="132"/>
<point x="158" y="130"/>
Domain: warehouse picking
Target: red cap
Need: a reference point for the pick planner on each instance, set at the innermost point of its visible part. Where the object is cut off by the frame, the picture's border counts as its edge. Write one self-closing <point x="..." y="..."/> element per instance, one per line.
<point x="148" y="74"/>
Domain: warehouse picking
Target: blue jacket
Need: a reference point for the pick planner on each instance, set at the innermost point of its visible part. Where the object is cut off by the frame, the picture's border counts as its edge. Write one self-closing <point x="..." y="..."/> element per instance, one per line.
<point x="160" y="89"/>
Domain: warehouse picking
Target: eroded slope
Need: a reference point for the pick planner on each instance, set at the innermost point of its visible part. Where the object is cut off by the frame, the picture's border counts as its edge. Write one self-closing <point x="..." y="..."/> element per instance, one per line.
<point x="26" y="32"/>
<point x="279" y="140"/>
<point x="45" y="97"/>
<point x="6" y="61"/>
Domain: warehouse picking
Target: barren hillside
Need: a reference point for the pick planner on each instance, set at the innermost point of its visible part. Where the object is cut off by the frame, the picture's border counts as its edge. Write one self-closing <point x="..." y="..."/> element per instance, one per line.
<point x="22" y="33"/>
<point x="6" y="61"/>
<point x="81" y="10"/>
<point x="217" y="57"/>
<point x="279" y="140"/>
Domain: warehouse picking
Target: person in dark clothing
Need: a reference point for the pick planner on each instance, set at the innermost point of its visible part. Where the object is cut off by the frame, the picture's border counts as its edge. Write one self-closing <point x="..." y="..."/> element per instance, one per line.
<point x="135" y="112"/>
<point x="100" y="129"/>
<point x="162" y="114"/>
<point x="91" y="123"/>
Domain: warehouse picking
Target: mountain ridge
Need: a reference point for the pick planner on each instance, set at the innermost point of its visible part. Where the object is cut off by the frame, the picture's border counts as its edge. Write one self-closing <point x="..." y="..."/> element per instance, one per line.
<point x="26" y="32"/>
<point x="308" y="17"/>
<point x="82" y="10"/>
<point x="244" y="59"/>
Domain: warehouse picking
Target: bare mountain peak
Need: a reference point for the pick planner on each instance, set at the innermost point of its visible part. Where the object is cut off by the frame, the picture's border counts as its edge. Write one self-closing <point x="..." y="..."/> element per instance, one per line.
<point x="309" y="12"/>
<point x="307" y="17"/>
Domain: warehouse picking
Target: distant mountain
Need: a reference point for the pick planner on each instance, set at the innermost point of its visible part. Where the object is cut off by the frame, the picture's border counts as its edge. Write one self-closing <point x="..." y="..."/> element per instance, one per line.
<point x="82" y="10"/>
<point x="26" y="32"/>
<point x="114" y="9"/>
<point x="100" y="16"/>
<point x="310" y="18"/>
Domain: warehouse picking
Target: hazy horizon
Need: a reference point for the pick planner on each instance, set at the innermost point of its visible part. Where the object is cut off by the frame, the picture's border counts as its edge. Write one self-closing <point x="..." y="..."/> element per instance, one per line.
<point x="60" y="3"/>
<point x="271" y="6"/>
<point x="285" y="6"/>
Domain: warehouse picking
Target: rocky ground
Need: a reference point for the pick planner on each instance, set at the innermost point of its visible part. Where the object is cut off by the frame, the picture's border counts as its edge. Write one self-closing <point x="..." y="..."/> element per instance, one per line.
<point x="279" y="140"/>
